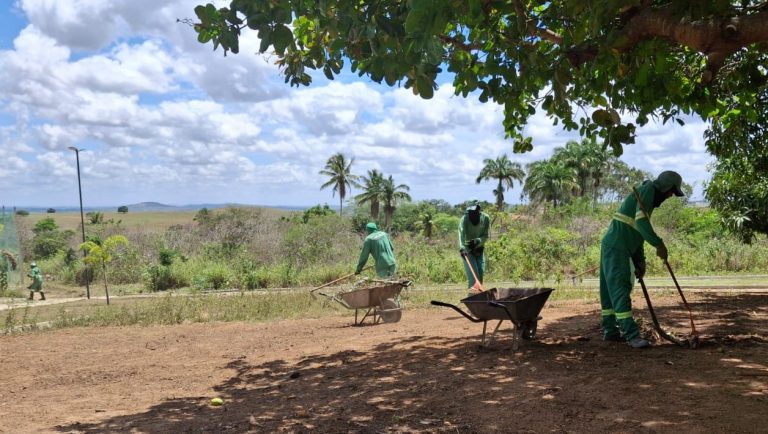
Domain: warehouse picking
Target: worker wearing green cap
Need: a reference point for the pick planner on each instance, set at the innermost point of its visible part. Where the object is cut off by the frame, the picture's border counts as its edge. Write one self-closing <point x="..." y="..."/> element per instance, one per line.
<point x="473" y="233"/>
<point x="622" y="251"/>
<point x="378" y="245"/>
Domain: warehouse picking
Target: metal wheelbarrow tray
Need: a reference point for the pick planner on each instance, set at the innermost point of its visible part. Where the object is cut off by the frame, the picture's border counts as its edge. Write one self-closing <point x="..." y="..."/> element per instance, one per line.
<point x="381" y="303"/>
<point x="521" y="306"/>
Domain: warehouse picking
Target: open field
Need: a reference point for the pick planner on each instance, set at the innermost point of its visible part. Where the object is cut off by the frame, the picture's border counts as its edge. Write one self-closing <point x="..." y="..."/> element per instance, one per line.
<point x="422" y="374"/>
<point x="150" y="220"/>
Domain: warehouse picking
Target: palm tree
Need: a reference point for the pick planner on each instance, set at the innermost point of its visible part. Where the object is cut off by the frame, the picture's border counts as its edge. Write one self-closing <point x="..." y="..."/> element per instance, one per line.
<point x="503" y="170"/>
<point x="371" y="192"/>
<point x="100" y="253"/>
<point x="550" y="181"/>
<point x="588" y="159"/>
<point x="390" y="195"/>
<point x="426" y="223"/>
<point x="341" y="178"/>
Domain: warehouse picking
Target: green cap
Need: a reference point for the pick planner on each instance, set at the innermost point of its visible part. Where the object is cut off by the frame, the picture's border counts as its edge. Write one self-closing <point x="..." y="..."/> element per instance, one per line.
<point x="669" y="180"/>
<point x="473" y="204"/>
<point x="371" y="227"/>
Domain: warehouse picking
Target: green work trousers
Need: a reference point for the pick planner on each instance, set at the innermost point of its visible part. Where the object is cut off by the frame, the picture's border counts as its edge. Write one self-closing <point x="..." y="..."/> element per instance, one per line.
<point x="616" y="281"/>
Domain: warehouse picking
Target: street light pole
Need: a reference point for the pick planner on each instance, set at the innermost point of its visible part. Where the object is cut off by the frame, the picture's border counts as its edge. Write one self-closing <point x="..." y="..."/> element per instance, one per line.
<point x="82" y="219"/>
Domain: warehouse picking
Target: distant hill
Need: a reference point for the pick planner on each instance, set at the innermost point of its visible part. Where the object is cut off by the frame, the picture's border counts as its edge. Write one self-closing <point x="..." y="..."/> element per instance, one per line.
<point x="158" y="207"/>
<point x="151" y="206"/>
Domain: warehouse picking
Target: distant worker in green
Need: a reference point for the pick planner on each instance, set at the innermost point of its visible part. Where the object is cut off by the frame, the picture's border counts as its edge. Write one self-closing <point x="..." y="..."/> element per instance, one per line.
<point x="37" y="282"/>
<point x="473" y="233"/>
<point x="378" y="245"/>
<point x="622" y="250"/>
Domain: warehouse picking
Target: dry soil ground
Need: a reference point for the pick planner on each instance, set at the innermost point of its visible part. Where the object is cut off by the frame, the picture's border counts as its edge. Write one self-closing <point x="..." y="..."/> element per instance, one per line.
<point x="423" y="374"/>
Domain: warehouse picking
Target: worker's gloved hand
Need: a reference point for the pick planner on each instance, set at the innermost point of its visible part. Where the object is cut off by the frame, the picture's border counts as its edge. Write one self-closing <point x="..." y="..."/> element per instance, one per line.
<point x="640" y="269"/>
<point x="463" y="251"/>
<point x="661" y="252"/>
<point x="471" y="244"/>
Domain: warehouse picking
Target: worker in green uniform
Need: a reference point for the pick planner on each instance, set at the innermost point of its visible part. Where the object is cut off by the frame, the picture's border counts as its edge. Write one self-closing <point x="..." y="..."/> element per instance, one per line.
<point x="622" y="251"/>
<point x="37" y="282"/>
<point x="378" y="245"/>
<point x="473" y="233"/>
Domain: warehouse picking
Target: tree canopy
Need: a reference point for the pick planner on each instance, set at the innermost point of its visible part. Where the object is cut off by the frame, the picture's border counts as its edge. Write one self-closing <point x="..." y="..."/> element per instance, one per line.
<point x="645" y="58"/>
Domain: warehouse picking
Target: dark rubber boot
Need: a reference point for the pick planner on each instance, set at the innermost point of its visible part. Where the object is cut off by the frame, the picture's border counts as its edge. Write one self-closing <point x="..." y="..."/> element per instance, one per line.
<point x="31" y="296"/>
<point x="42" y="296"/>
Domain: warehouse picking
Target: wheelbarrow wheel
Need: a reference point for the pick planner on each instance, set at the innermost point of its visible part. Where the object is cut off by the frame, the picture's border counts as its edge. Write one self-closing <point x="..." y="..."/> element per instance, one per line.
<point x="528" y="330"/>
<point x="390" y="311"/>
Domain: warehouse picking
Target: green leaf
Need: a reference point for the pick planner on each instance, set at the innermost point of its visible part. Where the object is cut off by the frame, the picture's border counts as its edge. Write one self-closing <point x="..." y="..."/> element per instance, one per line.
<point x="265" y="34"/>
<point x="424" y="86"/>
<point x="282" y="37"/>
<point x="413" y="21"/>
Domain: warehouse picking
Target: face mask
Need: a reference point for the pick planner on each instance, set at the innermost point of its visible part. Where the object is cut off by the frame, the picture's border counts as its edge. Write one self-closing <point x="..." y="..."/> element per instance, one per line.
<point x="660" y="197"/>
<point x="474" y="217"/>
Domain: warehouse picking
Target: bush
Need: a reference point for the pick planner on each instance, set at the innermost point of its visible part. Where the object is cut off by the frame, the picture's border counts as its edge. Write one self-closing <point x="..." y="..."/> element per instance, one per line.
<point x="257" y="279"/>
<point x="215" y="276"/>
<point x="160" y="278"/>
<point x="22" y="212"/>
<point x="51" y="211"/>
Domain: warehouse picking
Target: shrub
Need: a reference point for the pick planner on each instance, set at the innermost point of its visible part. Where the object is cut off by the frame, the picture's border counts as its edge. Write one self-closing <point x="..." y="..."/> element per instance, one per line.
<point x="215" y="276"/>
<point x="160" y="278"/>
<point x="257" y="279"/>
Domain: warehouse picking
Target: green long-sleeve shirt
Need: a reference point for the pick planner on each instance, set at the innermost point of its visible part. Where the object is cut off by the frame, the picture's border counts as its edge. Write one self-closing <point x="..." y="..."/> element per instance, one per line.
<point x="630" y="226"/>
<point x="380" y="247"/>
<point x="36" y="275"/>
<point x="468" y="231"/>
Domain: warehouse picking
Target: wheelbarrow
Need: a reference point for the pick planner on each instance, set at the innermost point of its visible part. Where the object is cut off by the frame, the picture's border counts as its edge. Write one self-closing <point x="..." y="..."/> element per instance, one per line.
<point x="378" y="299"/>
<point x="521" y="306"/>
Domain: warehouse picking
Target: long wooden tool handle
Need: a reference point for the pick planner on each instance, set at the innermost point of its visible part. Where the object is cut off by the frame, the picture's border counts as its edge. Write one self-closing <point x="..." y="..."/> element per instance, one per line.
<point x="685" y="302"/>
<point x="337" y="280"/>
<point x="469" y="264"/>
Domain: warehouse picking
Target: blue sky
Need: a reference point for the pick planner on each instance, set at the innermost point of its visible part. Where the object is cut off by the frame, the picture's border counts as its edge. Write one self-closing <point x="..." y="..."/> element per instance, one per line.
<point x="166" y="119"/>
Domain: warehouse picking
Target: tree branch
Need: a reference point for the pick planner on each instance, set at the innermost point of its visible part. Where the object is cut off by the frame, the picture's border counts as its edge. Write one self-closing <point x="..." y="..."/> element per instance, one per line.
<point x="716" y="39"/>
<point x="532" y="28"/>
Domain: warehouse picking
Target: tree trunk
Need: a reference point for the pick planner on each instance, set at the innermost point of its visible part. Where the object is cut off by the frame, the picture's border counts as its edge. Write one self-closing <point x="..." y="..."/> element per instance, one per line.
<point x="341" y="206"/>
<point x="500" y="196"/>
<point x="374" y="210"/>
<point x="106" y="289"/>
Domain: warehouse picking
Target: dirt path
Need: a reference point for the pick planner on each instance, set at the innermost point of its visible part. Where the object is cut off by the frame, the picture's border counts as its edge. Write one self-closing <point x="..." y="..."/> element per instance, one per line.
<point x="423" y="374"/>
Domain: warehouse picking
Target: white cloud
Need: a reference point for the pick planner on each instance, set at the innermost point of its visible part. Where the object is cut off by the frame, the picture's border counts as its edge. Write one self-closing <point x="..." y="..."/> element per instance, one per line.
<point x="165" y="118"/>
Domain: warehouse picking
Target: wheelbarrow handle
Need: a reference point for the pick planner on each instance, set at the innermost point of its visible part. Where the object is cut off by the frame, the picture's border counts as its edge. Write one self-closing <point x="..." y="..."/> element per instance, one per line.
<point x="337" y="280"/>
<point x="457" y="309"/>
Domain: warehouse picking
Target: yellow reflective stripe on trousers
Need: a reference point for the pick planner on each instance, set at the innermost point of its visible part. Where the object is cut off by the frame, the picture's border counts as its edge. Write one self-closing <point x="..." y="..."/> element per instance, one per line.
<point x="608" y="312"/>
<point x="624" y="315"/>
<point x="625" y="219"/>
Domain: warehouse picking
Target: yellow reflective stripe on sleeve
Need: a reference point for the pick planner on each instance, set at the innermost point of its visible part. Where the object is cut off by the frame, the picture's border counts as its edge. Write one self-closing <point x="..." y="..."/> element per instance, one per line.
<point x="608" y="312"/>
<point x="640" y="215"/>
<point x="624" y="315"/>
<point x="625" y="219"/>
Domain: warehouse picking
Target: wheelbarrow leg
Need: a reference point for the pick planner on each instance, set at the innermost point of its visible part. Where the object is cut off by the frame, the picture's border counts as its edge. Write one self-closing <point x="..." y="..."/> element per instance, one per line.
<point x="487" y="342"/>
<point x="515" y="336"/>
<point x="367" y="312"/>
